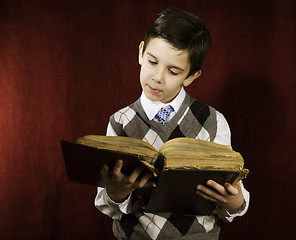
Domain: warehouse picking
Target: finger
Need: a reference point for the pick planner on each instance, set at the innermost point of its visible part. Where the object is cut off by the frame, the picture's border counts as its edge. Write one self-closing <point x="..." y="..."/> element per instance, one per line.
<point x="117" y="167"/>
<point x="219" y="188"/>
<point x="135" y="174"/>
<point x="104" y="171"/>
<point x="213" y="194"/>
<point x="231" y="189"/>
<point x="150" y="184"/>
<point x="205" y="196"/>
<point x="142" y="182"/>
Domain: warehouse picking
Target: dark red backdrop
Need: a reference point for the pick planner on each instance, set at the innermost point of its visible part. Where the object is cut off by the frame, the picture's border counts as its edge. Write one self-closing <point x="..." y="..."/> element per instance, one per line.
<point x="65" y="66"/>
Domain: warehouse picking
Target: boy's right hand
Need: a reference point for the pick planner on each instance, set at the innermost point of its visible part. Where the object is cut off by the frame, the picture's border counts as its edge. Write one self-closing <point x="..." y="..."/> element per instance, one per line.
<point x="119" y="186"/>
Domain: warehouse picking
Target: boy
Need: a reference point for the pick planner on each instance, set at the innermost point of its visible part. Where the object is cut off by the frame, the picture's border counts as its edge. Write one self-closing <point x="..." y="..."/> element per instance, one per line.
<point x="171" y="57"/>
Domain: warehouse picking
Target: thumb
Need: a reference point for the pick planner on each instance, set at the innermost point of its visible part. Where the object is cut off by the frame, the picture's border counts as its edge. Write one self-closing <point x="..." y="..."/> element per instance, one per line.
<point x="231" y="189"/>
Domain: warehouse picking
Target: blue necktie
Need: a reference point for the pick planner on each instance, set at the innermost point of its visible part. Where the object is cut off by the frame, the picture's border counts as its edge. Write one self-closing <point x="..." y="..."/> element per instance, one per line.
<point x="163" y="114"/>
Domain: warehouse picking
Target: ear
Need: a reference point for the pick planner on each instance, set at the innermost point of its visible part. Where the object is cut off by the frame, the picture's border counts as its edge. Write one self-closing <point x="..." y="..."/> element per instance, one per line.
<point x="141" y="52"/>
<point x="191" y="78"/>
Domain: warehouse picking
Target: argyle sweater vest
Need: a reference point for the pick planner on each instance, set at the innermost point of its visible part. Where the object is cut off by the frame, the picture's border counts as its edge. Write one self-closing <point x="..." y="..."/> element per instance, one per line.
<point x="194" y="120"/>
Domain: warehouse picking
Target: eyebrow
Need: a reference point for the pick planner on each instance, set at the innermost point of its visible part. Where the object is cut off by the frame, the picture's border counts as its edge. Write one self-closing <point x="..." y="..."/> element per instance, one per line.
<point x="171" y="66"/>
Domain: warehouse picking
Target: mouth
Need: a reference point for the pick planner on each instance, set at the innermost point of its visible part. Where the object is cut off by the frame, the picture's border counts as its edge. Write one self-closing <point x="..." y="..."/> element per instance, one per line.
<point x="153" y="90"/>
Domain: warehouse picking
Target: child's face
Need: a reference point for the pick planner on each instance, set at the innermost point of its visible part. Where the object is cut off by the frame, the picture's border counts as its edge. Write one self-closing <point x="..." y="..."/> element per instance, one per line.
<point x="164" y="70"/>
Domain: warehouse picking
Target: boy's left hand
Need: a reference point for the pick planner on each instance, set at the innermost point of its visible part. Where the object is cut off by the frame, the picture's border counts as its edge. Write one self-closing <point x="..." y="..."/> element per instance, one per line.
<point x="228" y="196"/>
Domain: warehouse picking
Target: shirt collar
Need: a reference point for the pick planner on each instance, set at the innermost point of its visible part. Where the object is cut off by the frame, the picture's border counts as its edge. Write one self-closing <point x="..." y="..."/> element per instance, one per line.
<point x="152" y="107"/>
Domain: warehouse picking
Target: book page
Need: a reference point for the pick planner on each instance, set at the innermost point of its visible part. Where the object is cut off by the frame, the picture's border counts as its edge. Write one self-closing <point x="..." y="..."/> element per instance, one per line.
<point x="128" y="145"/>
<point x="192" y="144"/>
<point x="118" y="140"/>
<point x="203" y="160"/>
<point x="189" y="153"/>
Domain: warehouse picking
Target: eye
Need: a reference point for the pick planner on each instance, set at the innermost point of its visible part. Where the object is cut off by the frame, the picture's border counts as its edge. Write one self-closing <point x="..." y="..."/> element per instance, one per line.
<point x="173" y="73"/>
<point x="153" y="63"/>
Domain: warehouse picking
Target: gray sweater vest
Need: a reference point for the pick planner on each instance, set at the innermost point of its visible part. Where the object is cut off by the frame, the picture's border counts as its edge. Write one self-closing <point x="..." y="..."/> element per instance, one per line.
<point x="194" y="120"/>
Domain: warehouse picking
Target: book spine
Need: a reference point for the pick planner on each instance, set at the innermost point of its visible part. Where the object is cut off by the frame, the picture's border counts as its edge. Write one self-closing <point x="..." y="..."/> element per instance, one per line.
<point x="243" y="174"/>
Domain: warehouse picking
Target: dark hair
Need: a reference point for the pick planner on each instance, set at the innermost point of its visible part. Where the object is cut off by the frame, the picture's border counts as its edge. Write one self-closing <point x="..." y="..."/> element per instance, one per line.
<point x="183" y="31"/>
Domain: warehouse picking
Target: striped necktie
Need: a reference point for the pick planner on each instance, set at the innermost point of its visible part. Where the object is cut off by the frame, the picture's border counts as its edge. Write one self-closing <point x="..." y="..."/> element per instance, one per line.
<point x="163" y="114"/>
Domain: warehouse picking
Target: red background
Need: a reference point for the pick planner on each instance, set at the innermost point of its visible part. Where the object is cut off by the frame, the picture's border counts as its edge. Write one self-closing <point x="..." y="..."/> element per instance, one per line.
<point x="66" y="66"/>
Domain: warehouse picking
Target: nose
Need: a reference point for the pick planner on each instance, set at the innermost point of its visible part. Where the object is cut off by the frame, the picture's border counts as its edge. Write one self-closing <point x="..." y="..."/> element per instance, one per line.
<point x="159" y="75"/>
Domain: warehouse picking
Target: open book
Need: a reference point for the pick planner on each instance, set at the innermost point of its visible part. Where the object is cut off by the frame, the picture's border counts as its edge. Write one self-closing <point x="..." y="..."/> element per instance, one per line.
<point x="178" y="166"/>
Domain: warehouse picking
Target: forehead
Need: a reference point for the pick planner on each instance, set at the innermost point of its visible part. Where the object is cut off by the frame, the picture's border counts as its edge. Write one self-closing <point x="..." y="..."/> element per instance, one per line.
<point x="163" y="51"/>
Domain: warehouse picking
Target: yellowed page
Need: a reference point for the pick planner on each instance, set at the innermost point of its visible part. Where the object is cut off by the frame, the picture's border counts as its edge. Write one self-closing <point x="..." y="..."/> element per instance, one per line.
<point x="188" y="153"/>
<point x="192" y="144"/>
<point x="203" y="160"/>
<point x="121" y="144"/>
<point x="122" y="141"/>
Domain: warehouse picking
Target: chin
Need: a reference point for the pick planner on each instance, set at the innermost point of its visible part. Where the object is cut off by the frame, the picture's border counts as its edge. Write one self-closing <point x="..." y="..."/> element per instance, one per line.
<point x="154" y="99"/>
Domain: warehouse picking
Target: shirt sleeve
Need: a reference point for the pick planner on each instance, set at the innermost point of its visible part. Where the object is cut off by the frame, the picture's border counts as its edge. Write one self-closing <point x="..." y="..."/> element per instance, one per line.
<point x="224" y="214"/>
<point x="103" y="201"/>
<point x="109" y="207"/>
<point x="223" y="136"/>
